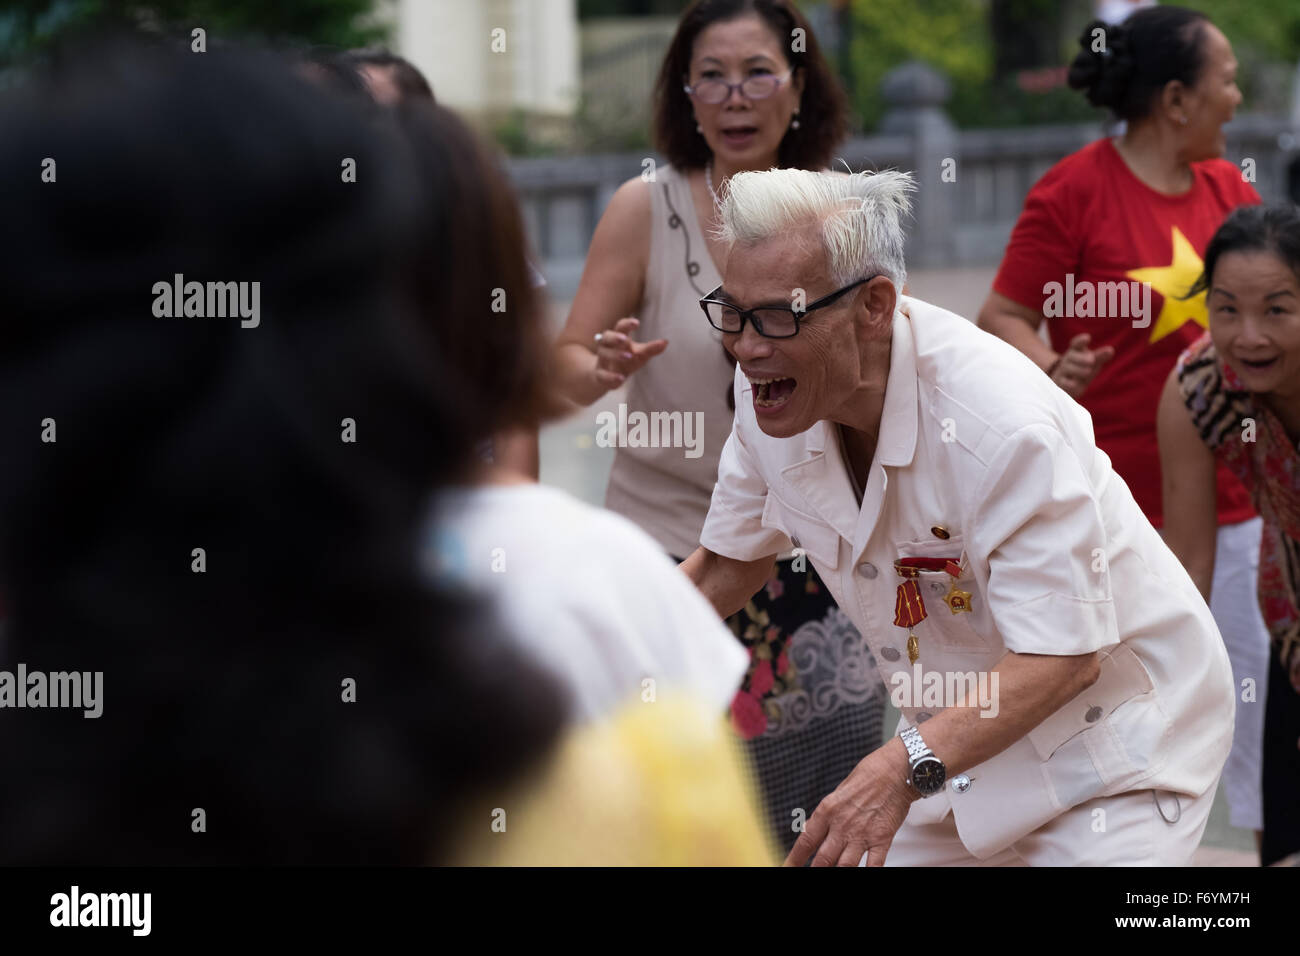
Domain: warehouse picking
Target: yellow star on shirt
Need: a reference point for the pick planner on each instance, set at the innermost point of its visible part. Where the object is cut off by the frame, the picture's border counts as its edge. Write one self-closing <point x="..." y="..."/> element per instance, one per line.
<point x="1172" y="282"/>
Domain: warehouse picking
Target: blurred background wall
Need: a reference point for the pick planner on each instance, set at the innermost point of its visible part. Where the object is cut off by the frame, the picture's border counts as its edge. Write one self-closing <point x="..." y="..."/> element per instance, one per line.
<point x="564" y="87"/>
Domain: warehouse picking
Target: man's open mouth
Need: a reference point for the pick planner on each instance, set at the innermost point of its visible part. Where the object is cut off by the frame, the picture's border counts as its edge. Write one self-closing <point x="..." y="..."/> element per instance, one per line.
<point x="772" y="392"/>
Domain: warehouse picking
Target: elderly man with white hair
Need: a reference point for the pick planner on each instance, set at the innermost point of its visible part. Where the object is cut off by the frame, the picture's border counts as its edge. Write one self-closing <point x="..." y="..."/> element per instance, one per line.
<point x="1066" y="697"/>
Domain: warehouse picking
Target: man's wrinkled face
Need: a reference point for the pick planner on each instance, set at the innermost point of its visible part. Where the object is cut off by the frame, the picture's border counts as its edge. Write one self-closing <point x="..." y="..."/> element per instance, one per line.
<point x="797" y="381"/>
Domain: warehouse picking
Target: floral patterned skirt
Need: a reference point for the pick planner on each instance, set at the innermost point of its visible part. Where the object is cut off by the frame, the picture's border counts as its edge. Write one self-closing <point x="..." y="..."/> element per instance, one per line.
<point x="812" y="704"/>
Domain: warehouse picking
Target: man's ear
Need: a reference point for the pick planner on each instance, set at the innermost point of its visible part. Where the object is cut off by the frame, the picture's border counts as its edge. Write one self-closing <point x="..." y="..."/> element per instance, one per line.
<point x="880" y="299"/>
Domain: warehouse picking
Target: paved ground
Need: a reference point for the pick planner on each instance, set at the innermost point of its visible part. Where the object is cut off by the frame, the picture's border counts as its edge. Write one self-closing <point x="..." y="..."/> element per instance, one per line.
<point x="572" y="461"/>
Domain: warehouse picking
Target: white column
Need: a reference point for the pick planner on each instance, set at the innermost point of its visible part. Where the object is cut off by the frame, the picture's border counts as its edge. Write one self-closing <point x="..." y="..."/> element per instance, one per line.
<point x="451" y="41"/>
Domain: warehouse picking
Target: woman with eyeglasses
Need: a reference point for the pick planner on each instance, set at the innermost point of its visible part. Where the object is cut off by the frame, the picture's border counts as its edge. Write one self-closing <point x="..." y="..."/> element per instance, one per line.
<point x="743" y="86"/>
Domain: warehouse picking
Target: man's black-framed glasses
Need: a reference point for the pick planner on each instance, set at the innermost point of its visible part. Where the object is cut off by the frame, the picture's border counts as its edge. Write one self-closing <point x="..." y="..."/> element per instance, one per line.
<point x="770" y="321"/>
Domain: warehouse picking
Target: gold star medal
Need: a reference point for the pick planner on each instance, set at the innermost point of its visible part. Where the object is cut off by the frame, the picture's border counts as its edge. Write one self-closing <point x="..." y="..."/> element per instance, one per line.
<point x="956" y="599"/>
<point x="909" y="608"/>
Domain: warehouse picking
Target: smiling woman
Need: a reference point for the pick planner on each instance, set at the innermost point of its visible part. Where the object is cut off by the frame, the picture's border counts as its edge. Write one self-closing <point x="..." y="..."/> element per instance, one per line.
<point x="1234" y="400"/>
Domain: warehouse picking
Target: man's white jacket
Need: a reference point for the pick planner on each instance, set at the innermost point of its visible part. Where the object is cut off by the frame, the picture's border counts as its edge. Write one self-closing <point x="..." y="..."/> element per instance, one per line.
<point x="977" y="442"/>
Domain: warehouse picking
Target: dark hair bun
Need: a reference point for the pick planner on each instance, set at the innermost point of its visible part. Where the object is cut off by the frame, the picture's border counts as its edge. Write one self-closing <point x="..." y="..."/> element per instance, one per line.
<point x="1103" y="74"/>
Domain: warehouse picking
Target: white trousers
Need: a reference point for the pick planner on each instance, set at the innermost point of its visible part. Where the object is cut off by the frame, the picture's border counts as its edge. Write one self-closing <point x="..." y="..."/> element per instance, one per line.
<point x="1235" y="607"/>
<point x="1128" y="829"/>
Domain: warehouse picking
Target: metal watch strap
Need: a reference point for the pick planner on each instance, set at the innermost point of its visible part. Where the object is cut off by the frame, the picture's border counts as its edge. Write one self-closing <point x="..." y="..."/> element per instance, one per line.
<point x="916" y="748"/>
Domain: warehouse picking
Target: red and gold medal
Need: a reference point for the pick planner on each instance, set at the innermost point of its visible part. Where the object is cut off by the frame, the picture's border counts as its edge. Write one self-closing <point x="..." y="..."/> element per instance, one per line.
<point x="909" y="610"/>
<point x="909" y="607"/>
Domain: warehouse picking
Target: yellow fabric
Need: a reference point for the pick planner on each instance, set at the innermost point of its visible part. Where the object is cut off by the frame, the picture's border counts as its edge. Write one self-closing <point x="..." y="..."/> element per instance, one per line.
<point x="661" y="783"/>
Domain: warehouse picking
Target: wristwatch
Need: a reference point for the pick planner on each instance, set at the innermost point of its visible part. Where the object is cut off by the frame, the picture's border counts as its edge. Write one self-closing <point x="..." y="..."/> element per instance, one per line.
<point x="928" y="772"/>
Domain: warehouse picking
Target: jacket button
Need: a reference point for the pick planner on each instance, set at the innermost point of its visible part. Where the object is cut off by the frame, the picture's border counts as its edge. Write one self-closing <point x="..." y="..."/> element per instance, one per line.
<point x="867" y="570"/>
<point x="939" y="531"/>
<point x="1093" y="714"/>
<point x="961" y="783"/>
<point x="889" y="653"/>
<point x="795" y="542"/>
<point x="936" y="586"/>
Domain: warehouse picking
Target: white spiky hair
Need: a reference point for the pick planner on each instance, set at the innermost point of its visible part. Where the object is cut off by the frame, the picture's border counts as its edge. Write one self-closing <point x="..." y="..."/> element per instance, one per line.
<point x="861" y="215"/>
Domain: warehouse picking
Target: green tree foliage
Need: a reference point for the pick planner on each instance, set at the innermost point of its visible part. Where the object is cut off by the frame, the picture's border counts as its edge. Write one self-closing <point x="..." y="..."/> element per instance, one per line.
<point x="1270" y="28"/>
<point x="951" y="35"/>
<point x="26" y="26"/>
<point x="956" y="36"/>
<point x="1265" y="36"/>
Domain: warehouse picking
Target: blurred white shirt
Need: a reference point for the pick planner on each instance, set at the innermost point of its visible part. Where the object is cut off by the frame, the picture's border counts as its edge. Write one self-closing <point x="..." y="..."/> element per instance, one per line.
<point x="591" y="595"/>
<point x="1117" y="11"/>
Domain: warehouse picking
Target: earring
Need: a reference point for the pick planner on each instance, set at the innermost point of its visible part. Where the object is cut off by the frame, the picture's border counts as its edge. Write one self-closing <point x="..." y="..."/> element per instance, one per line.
<point x="699" y="128"/>
<point x="794" y="123"/>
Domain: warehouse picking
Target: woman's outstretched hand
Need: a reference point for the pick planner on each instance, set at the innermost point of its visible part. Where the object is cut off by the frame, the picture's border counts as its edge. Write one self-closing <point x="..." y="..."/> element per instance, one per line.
<point x="617" y="356"/>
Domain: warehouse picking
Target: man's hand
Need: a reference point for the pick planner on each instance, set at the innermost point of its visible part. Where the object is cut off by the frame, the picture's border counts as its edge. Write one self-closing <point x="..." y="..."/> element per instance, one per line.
<point x="866" y="810"/>
<point x="863" y="813"/>
<point x="1079" y="365"/>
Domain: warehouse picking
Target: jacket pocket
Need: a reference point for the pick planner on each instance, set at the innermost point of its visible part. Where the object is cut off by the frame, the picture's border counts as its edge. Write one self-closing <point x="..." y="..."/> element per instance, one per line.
<point x="1122" y="677"/>
<point x="954" y="630"/>
<point x="1111" y="732"/>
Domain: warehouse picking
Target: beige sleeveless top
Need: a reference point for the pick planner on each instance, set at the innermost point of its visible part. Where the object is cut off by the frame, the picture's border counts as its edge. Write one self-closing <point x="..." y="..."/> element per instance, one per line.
<point x="666" y="490"/>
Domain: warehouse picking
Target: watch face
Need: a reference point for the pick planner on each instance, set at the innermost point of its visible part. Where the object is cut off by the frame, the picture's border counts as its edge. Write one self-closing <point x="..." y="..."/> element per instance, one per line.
<point x="928" y="775"/>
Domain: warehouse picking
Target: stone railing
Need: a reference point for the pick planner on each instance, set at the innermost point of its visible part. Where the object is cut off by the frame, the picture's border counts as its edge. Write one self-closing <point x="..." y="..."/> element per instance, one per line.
<point x="972" y="183"/>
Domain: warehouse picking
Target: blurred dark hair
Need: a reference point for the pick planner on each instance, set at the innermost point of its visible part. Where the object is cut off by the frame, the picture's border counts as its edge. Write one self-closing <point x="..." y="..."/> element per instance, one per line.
<point x="410" y="82"/>
<point x="1273" y="229"/>
<point x="331" y="69"/>
<point x="476" y="287"/>
<point x="222" y="690"/>
<point x="823" y="111"/>
<point x="1151" y="48"/>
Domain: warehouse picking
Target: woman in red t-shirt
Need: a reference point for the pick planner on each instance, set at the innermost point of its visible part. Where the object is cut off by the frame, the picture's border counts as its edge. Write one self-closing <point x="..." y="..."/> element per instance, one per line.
<point x="1108" y="243"/>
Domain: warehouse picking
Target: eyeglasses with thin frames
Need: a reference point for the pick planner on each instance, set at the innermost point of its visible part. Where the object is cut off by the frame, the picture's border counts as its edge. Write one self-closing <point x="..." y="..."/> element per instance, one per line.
<point x="758" y="87"/>
<point x="769" y="321"/>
